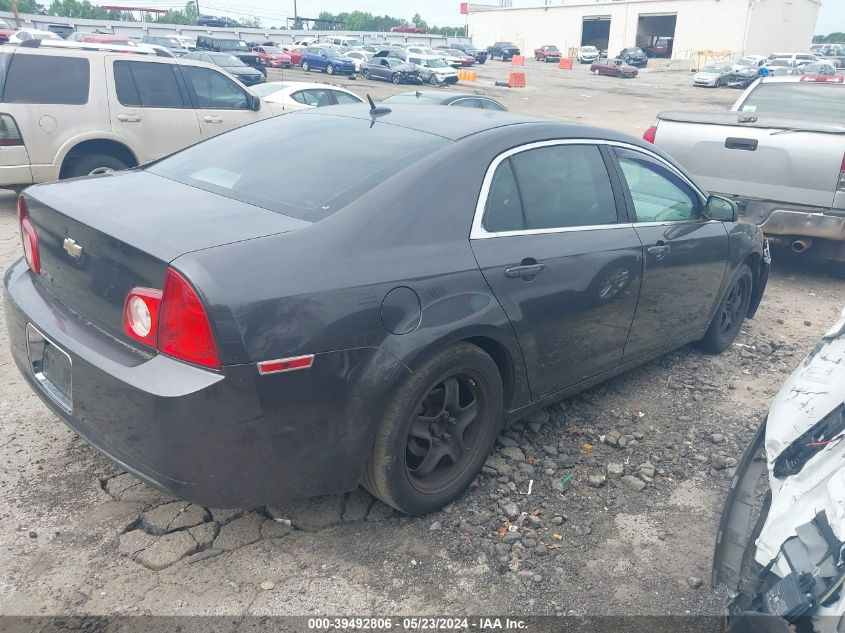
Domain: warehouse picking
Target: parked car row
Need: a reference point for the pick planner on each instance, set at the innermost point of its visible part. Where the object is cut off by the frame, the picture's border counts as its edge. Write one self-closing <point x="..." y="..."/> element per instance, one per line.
<point x="744" y="71"/>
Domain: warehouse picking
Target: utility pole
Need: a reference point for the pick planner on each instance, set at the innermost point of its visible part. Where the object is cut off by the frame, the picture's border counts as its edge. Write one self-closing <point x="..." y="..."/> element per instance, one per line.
<point x="295" y="16"/>
<point x="197" y="5"/>
<point x="15" y="11"/>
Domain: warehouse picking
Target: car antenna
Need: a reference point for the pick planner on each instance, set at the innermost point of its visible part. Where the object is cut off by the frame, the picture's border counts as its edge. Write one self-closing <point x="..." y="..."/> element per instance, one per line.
<point x="376" y="112"/>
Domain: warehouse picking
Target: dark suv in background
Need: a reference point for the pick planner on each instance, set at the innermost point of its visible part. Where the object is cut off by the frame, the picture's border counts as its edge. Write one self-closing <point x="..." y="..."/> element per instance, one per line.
<point x="236" y="48"/>
<point x="634" y="56"/>
<point x="469" y="49"/>
<point x="503" y="50"/>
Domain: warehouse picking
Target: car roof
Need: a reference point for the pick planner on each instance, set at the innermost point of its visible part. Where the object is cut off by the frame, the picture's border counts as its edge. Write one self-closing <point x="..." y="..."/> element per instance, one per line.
<point x="457" y="123"/>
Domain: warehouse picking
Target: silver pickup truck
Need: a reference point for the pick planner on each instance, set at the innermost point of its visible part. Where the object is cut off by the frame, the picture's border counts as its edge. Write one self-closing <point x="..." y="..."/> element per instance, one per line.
<point x="779" y="153"/>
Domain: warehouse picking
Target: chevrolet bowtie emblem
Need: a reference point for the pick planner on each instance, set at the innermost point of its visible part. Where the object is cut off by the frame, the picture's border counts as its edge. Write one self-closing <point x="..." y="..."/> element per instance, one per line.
<point x="72" y="248"/>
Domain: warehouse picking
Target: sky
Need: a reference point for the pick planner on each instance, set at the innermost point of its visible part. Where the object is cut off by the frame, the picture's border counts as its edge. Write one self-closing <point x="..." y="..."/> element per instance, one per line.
<point x="439" y="12"/>
<point x="831" y="17"/>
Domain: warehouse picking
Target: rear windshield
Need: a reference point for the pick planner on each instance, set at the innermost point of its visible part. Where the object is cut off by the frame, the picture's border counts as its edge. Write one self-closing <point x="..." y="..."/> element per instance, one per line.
<point x="232" y="45"/>
<point x="339" y="159"/>
<point x="810" y="101"/>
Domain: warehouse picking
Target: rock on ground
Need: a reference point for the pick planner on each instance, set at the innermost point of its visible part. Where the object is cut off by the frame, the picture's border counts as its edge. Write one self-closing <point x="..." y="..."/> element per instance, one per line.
<point x="240" y="532"/>
<point x="166" y="550"/>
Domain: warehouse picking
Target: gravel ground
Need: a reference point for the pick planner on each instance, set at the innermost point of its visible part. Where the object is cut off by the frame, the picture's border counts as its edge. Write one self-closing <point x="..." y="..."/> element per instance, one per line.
<point x="626" y="480"/>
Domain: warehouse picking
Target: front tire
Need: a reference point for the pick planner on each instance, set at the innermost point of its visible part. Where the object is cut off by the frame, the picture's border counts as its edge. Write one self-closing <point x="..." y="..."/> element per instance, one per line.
<point x="437" y="431"/>
<point x="433" y="80"/>
<point x="396" y="79"/>
<point x="730" y="315"/>
<point x="93" y="164"/>
<point x="365" y="74"/>
<point x="596" y="72"/>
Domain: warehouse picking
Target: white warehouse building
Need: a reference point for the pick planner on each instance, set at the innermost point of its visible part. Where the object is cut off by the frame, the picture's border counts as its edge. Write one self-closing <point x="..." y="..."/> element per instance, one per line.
<point x="740" y="26"/>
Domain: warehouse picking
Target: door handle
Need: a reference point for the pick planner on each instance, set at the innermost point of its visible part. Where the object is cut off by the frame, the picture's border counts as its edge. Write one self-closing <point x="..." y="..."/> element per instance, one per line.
<point x="129" y="118"/>
<point x="528" y="269"/>
<point x="747" y="144"/>
<point x="660" y="251"/>
<point x="213" y="119"/>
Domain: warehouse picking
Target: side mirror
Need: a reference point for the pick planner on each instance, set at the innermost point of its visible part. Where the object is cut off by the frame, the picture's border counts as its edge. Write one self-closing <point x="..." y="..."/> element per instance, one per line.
<point x="721" y="209"/>
<point x="254" y="102"/>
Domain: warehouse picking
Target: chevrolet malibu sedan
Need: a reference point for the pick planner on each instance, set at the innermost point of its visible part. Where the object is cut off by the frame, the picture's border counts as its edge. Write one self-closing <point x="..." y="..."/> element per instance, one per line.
<point x="239" y="334"/>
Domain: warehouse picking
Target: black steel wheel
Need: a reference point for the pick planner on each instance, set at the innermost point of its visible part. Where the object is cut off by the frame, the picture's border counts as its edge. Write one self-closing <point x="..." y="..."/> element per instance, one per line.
<point x="437" y="432"/>
<point x="731" y="312"/>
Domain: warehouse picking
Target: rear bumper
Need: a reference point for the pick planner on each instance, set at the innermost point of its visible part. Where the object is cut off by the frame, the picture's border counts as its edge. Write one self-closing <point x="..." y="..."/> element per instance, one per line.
<point x="223" y="439"/>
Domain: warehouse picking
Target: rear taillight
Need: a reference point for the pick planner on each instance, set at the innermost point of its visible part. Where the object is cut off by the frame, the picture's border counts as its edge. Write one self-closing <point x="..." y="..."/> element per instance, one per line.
<point x="841" y="186"/>
<point x="29" y="237"/>
<point x="650" y="133"/>
<point x="10" y="135"/>
<point x="172" y="320"/>
<point x="140" y="315"/>
<point x="184" y="330"/>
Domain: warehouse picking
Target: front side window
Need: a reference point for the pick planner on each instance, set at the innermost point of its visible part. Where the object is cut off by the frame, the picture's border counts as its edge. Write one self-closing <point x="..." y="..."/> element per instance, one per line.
<point x="559" y="186"/>
<point x="213" y="90"/>
<point x="60" y="80"/>
<point x="146" y="85"/>
<point x="659" y="194"/>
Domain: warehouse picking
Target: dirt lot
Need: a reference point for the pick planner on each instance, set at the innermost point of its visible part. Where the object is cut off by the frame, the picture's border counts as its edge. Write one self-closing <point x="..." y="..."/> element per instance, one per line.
<point x="631" y="532"/>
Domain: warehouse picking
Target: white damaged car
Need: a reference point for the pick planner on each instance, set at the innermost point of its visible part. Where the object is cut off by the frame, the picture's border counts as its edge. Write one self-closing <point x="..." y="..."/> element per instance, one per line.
<point x="780" y="548"/>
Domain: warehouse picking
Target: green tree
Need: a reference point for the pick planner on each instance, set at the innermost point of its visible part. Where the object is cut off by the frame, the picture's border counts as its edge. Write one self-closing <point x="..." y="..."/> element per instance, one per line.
<point x="24" y="6"/>
<point x="76" y="9"/>
<point x="417" y="19"/>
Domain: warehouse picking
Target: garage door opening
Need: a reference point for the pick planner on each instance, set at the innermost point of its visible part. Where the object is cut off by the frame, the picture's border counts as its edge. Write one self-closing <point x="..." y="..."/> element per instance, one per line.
<point x="656" y="34"/>
<point x="595" y="31"/>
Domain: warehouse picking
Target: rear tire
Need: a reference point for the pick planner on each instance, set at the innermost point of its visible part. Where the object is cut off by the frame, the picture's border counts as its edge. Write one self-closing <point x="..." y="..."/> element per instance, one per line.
<point x="437" y="431"/>
<point x="730" y="315"/>
<point x="365" y="74"/>
<point x="92" y="164"/>
<point x="596" y="72"/>
<point x="330" y="69"/>
<point x="306" y="67"/>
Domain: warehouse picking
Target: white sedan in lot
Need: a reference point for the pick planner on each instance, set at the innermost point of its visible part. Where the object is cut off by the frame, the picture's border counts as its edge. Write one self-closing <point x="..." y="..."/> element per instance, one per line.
<point x="359" y="57"/>
<point x="290" y="96"/>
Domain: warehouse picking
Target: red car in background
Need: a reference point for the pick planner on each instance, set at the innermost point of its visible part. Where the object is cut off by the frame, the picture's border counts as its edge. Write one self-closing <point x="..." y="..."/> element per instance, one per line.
<point x="613" y="68"/>
<point x="547" y="53"/>
<point x="273" y="56"/>
<point x="295" y="54"/>
<point x="6" y="30"/>
<point x="101" y="38"/>
<point x="409" y="28"/>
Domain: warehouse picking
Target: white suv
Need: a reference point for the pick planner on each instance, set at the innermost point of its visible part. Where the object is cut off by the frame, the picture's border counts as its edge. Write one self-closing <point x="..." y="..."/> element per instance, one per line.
<point x="70" y="111"/>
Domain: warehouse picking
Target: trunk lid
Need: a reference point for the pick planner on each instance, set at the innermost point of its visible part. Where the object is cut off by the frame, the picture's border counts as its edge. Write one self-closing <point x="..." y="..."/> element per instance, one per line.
<point x="753" y="156"/>
<point x="100" y="237"/>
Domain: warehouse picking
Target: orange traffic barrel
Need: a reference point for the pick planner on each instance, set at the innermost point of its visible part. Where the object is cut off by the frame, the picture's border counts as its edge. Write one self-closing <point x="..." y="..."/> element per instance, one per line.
<point x="565" y="63"/>
<point x="518" y="60"/>
<point x="516" y="80"/>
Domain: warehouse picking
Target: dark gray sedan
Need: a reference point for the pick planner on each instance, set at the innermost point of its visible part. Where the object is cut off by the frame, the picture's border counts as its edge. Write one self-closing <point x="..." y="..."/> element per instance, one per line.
<point x="390" y="69"/>
<point x="238" y="334"/>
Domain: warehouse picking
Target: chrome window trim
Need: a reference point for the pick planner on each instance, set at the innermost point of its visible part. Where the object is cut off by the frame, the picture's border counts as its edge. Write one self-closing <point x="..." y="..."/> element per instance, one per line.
<point x="478" y="232"/>
<point x="459" y="99"/>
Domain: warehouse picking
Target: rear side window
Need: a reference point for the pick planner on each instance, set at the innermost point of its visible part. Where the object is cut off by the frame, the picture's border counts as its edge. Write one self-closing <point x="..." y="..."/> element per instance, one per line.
<point x="47" y="79"/>
<point x="342" y="97"/>
<point x="559" y="186"/>
<point x="147" y="85"/>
